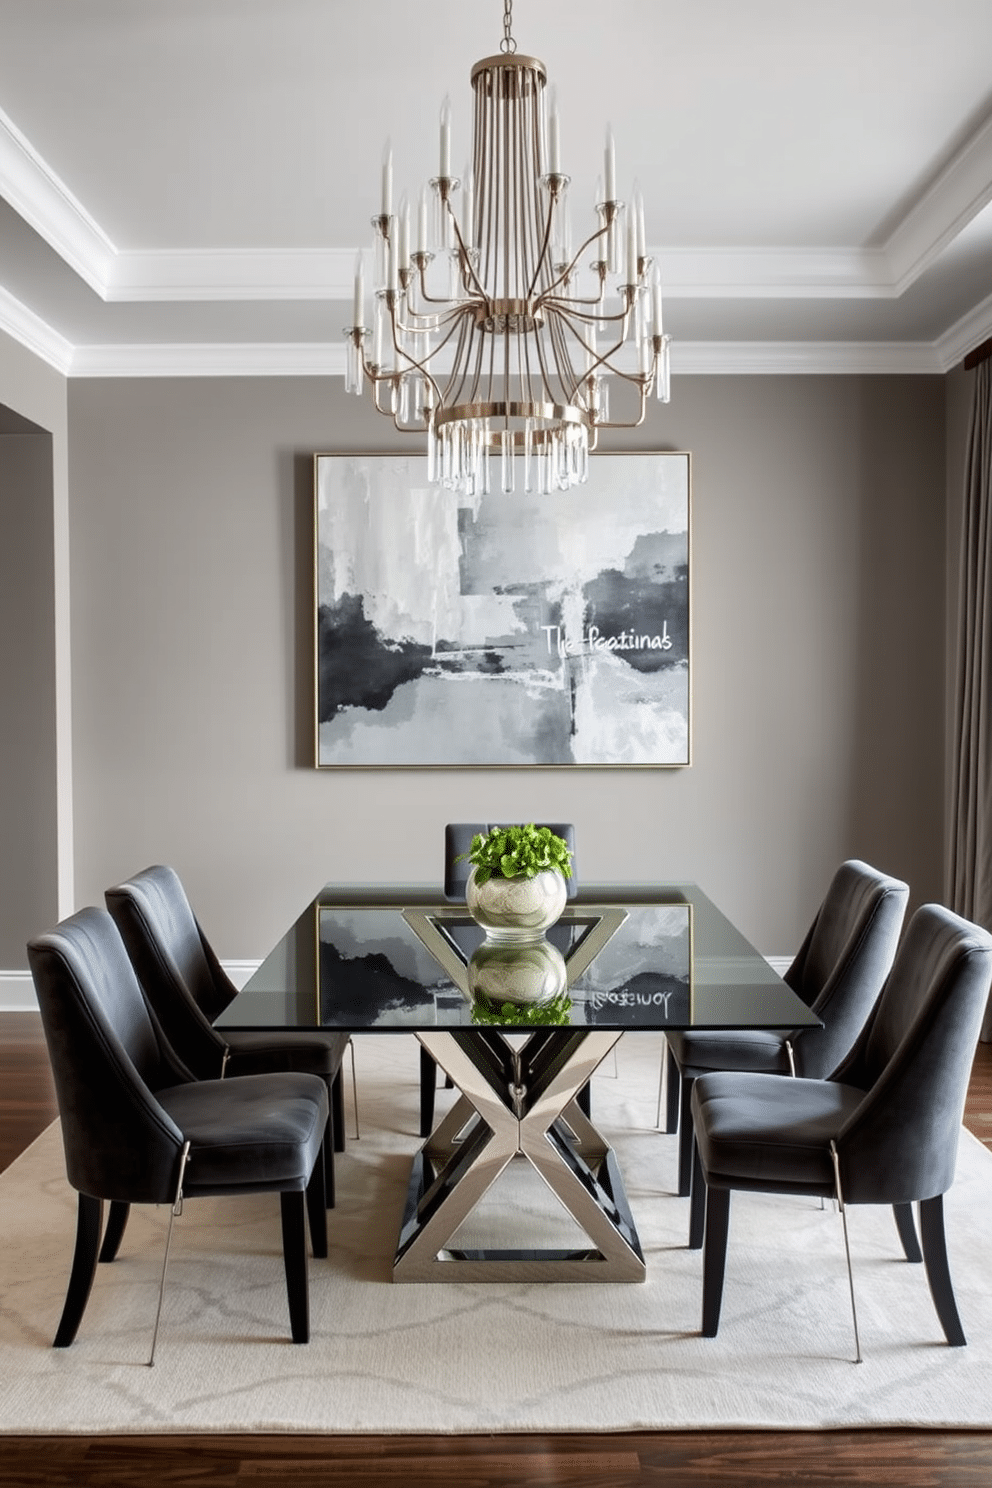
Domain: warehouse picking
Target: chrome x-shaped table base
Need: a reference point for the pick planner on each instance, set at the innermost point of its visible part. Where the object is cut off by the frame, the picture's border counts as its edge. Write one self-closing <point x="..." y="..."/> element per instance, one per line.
<point x="517" y="1102"/>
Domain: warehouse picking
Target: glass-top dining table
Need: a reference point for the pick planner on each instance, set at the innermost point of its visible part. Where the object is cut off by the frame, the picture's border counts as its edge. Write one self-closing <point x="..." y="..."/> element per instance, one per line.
<point x="520" y="1031"/>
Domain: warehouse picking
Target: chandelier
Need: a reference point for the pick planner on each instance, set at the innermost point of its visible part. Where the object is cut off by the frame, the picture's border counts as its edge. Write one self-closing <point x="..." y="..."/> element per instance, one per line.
<point x="490" y="333"/>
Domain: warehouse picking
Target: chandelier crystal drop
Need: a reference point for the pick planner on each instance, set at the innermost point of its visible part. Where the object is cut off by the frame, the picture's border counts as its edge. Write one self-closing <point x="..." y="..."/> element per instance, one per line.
<point x="489" y="332"/>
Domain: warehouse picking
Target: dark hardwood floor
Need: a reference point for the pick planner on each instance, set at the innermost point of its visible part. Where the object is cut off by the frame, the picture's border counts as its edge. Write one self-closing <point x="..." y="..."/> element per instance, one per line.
<point x="757" y="1459"/>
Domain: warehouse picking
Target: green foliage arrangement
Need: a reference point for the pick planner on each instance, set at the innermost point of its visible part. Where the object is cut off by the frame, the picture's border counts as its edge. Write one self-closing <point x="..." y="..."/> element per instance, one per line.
<point x="518" y="852"/>
<point x="517" y="1015"/>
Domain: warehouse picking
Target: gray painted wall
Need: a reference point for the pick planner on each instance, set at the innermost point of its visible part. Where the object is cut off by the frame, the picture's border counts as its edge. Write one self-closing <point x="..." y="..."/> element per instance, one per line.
<point x="818" y="666"/>
<point x="35" y="783"/>
<point x="960" y="392"/>
<point x="29" y="860"/>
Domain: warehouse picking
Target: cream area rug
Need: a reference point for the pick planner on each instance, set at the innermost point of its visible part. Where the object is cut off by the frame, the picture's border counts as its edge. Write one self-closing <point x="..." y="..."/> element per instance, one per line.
<point x="462" y="1357"/>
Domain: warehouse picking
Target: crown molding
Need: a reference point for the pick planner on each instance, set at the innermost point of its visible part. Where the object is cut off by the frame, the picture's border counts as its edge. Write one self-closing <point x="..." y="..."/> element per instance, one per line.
<point x="699" y="358"/>
<point x="27" y="328"/>
<point x="967" y="333"/>
<point x="235" y="359"/>
<point x="775" y="273"/>
<point x="310" y="274"/>
<point x="37" y="194"/>
<point x="801" y="358"/>
<point x="960" y="191"/>
<point x="235" y="274"/>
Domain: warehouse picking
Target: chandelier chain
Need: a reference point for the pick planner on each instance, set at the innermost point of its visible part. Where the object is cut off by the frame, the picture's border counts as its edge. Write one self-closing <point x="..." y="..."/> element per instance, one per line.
<point x="507" y="44"/>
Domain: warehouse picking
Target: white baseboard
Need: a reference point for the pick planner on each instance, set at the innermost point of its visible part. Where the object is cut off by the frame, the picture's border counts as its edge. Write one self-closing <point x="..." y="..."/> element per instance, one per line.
<point x="17" y="993"/>
<point x="17" y="989"/>
<point x="240" y="971"/>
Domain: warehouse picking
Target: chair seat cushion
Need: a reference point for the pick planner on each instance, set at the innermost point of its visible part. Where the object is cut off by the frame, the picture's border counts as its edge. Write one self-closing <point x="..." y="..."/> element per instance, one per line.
<point x="769" y="1134"/>
<point x="265" y="1051"/>
<point x="255" y="1133"/>
<point x="697" y="1050"/>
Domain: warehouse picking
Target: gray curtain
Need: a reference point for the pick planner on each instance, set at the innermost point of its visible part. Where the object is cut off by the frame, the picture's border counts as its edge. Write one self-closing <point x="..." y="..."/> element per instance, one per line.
<point x="970" y="855"/>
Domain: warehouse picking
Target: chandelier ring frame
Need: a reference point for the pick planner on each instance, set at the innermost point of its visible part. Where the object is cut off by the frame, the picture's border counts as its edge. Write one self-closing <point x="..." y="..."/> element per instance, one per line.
<point x="544" y="413"/>
<point x="504" y="62"/>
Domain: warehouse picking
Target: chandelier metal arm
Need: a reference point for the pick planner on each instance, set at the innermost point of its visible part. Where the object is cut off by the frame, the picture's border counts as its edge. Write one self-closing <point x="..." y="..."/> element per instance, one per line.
<point x="447" y="318"/>
<point x="454" y="320"/>
<point x="470" y="376"/>
<point x="564" y="304"/>
<point x="545" y="245"/>
<point x="569" y="269"/>
<point x="464" y="254"/>
<point x="630" y="423"/>
<point x="556" y="336"/>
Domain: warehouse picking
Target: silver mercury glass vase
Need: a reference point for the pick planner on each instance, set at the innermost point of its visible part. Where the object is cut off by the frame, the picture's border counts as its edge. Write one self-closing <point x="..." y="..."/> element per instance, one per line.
<point x="524" y="973"/>
<point x="516" y="909"/>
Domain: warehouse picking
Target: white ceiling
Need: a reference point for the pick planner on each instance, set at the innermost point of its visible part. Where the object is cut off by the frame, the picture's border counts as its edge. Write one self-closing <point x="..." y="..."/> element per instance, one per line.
<point x="184" y="183"/>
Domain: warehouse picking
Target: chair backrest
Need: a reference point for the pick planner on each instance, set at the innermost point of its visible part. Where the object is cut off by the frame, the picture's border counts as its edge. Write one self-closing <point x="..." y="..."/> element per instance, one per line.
<point x="458" y="839"/>
<point x="914" y="1062"/>
<point x="185" y="984"/>
<point x="842" y="965"/>
<point x="106" y="1060"/>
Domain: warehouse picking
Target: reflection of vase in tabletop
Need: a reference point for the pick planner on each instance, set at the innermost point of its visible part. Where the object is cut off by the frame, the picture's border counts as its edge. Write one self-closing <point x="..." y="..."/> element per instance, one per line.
<point x="516" y="909"/>
<point x="529" y="974"/>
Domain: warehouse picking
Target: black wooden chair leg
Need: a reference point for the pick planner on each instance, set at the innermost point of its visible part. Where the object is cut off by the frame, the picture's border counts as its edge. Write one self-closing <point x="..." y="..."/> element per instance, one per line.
<point x="428" y="1085"/>
<point x="327" y="1149"/>
<point x="697" y="1200"/>
<point x="317" y="1207"/>
<point x="89" y="1223"/>
<point x="715" y="1257"/>
<point x="938" y="1271"/>
<point x="685" y="1137"/>
<point x="337" y="1109"/>
<point x="294" y="1251"/>
<point x="114" y="1233"/>
<point x="907" y="1231"/>
<point x="673" y="1086"/>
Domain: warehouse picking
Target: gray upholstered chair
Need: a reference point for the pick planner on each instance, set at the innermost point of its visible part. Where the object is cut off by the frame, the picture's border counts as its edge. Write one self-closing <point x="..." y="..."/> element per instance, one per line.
<point x="883" y="1130"/>
<point x="839" y="972"/>
<point x="457" y="841"/>
<point x="138" y="1128"/>
<point x="187" y="988"/>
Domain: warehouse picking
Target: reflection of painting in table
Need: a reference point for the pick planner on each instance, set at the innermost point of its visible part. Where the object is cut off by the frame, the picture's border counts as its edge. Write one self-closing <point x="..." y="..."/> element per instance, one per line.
<point x="646" y="972"/>
<point x="507" y="629"/>
<point x="376" y="967"/>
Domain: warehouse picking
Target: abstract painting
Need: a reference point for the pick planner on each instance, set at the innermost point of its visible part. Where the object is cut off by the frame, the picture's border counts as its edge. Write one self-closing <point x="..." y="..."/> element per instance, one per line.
<point x="502" y="629"/>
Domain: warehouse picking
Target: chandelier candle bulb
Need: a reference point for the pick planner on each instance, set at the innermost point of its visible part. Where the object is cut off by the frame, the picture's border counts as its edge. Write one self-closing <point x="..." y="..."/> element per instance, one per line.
<point x="358" y="315"/>
<point x="444" y="169"/>
<point x="642" y="249"/>
<point x="422" y="221"/>
<point x="610" y="166"/>
<point x="387" y="181"/>
<point x="403" y="244"/>
<point x="656" y="301"/>
<point x="392" y="259"/>
<point x="632" y="257"/>
<point x="377" y="336"/>
<point x="468" y="207"/>
<point x="554" y="138"/>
